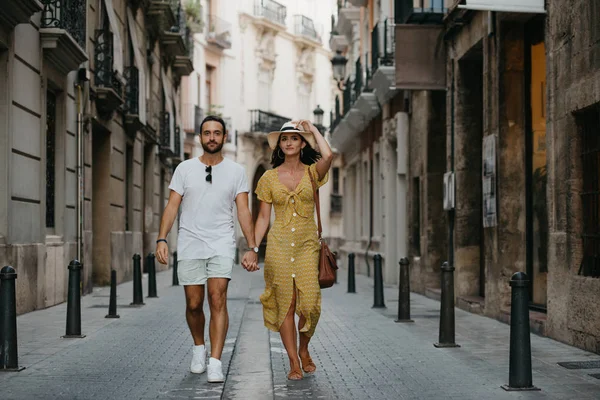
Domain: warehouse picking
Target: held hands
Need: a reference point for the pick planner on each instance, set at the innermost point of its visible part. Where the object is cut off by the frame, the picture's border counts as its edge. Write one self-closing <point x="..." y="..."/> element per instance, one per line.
<point x="162" y="252"/>
<point x="250" y="261"/>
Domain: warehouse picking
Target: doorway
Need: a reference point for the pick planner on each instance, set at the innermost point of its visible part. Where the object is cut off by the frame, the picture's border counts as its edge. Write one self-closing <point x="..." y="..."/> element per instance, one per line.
<point x="536" y="178"/>
<point x="101" y="250"/>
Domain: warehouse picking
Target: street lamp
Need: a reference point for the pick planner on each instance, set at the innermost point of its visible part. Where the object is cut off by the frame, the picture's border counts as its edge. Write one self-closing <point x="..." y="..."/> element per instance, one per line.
<point x="339" y="67"/>
<point x="318" y="114"/>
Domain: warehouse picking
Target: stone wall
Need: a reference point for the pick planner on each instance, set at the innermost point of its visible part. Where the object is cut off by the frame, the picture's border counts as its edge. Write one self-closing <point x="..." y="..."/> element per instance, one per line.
<point x="573" y="76"/>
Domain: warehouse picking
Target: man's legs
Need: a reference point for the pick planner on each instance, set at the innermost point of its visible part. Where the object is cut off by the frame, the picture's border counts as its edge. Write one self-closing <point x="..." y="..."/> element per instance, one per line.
<point x="194" y="313"/>
<point x="219" y="318"/>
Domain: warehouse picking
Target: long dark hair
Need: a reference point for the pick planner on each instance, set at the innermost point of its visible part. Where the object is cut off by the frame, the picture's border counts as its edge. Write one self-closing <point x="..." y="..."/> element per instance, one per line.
<point x="308" y="155"/>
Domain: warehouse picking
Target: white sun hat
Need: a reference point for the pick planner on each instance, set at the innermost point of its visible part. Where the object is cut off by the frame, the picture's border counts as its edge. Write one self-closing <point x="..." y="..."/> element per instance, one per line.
<point x="290" y="127"/>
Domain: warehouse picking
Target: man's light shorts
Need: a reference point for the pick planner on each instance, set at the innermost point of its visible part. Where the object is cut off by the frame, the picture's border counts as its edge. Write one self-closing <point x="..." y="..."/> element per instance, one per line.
<point x="196" y="272"/>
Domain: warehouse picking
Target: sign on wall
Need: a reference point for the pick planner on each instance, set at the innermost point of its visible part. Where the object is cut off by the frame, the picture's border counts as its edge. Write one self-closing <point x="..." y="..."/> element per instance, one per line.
<point x="488" y="175"/>
<point x="525" y="6"/>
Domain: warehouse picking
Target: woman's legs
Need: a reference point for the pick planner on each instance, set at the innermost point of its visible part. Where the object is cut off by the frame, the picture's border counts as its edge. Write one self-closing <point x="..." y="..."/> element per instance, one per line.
<point x="289" y="339"/>
<point x="303" y="349"/>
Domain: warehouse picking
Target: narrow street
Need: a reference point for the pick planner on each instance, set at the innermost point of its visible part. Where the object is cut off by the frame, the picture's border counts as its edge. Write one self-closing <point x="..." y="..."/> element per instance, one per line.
<point x="360" y="352"/>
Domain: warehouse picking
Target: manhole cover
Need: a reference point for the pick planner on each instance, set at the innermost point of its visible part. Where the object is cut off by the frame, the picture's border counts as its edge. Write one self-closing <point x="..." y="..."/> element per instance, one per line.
<point x="597" y="376"/>
<point x="580" y="364"/>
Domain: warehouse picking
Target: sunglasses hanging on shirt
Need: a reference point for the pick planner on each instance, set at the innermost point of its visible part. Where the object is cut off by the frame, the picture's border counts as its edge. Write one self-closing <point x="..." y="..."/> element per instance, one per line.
<point x="209" y="176"/>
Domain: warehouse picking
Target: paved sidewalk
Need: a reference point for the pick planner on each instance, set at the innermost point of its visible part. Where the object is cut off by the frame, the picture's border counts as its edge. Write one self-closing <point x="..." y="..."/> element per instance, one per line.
<point x="144" y="354"/>
<point x="361" y="353"/>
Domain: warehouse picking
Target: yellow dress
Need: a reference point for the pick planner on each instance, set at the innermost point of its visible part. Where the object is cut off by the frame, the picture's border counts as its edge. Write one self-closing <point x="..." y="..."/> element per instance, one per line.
<point x="292" y="254"/>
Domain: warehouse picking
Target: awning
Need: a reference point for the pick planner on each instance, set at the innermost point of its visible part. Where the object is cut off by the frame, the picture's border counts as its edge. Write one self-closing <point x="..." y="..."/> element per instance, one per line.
<point x="140" y="63"/>
<point x="526" y="6"/>
<point x="114" y="28"/>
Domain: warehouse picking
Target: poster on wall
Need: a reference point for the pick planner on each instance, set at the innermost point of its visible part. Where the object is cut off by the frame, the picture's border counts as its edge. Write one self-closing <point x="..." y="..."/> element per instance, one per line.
<point x="489" y="168"/>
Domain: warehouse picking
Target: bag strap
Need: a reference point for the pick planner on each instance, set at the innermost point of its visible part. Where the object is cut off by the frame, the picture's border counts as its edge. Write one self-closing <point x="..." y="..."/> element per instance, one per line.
<point x="317" y="203"/>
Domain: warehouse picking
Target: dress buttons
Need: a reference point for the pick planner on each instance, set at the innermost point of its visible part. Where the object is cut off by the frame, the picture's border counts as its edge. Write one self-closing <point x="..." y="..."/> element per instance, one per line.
<point x="293" y="275"/>
<point x="294" y="214"/>
<point x="293" y="244"/>
<point x="293" y="229"/>
<point x="292" y="259"/>
<point x="293" y="201"/>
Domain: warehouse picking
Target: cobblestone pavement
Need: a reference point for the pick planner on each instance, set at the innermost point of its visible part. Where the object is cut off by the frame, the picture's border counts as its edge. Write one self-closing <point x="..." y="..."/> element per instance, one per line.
<point x="360" y="352"/>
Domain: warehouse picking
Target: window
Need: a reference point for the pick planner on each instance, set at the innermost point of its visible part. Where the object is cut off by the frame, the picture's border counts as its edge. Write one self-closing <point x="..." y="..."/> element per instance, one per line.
<point x="590" y="195"/>
<point x="208" y="94"/>
<point x="335" y="173"/>
<point x="50" y="157"/>
<point x="199" y="83"/>
<point x="129" y="188"/>
<point x="264" y="90"/>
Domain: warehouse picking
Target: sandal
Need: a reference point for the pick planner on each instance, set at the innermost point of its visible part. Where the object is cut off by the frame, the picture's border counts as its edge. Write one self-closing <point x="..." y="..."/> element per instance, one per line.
<point x="308" y="365"/>
<point x="295" y="375"/>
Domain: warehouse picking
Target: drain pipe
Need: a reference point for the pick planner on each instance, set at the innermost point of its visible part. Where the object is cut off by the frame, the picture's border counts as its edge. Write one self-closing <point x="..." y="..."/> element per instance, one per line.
<point x="451" y="211"/>
<point x="82" y="78"/>
<point x="370" y="212"/>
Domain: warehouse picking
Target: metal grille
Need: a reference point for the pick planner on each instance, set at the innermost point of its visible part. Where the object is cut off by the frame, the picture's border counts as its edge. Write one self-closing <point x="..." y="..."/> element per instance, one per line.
<point x="389" y="42"/>
<point x="304" y="26"/>
<point x="104" y="74"/>
<point x="165" y="130"/>
<point x="50" y="156"/>
<point x="132" y="90"/>
<point x="262" y="121"/>
<point x="336" y="203"/>
<point x="358" y="79"/>
<point x="375" y="48"/>
<point x="66" y="14"/>
<point x="589" y="125"/>
<point x="177" y="141"/>
<point x="419" y="11"/>
<point x="271" y="10"/>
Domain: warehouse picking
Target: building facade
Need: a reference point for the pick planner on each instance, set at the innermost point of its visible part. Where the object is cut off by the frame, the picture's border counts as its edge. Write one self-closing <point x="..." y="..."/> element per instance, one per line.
<point x="494" y="106"/>
<point x="259" y="64"/>
<point x="90" y="127"/>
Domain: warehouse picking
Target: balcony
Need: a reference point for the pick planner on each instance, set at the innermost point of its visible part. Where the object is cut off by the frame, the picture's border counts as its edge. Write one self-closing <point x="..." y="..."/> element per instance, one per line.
<point x="219" y="32"/>
<point x="336" y="204"/>
<point x="305" y="31"/>
<point x="62" y="33"/>
<point x="164" y="140"/>
<point x="133" y="122"/>
<point x="515" y="6"/>
<point x="108" y="87"/>
<point x="337" y="42"/>
<point x="192" y="118"/>
<point x="420" y="11"/>
<point x="383" y="44"/>
<point x="162" y="15"/>
<point x="265" y="122"/>
<point x="271" y="14"/>
<point x="13" y="13"/>
<point x="347" y="16"/>
<point x="183" y="65"/>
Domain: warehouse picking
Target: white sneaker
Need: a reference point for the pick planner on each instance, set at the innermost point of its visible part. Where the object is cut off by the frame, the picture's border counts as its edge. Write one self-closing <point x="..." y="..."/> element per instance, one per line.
<point x="198" y="360"/>
<point x="215" y="371"/>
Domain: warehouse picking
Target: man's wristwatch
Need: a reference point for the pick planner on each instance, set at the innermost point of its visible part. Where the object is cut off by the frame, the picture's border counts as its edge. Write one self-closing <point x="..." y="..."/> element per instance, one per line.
<point x="254" y="249"/>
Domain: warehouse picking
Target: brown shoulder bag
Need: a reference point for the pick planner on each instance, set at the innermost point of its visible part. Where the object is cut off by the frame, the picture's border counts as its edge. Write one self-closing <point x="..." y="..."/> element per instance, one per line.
<point x="327" y="262"/>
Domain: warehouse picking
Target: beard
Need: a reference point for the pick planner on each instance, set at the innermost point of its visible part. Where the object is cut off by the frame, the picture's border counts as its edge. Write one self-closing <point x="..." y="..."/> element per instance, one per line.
<point x="212" y="150"/>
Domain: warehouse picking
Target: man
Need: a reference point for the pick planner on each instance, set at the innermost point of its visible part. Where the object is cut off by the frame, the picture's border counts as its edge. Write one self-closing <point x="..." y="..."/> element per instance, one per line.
<point x="206" y="187"/>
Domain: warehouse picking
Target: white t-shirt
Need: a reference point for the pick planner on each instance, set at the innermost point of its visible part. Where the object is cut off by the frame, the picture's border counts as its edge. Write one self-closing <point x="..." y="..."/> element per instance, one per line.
<point x="206" y="222"/>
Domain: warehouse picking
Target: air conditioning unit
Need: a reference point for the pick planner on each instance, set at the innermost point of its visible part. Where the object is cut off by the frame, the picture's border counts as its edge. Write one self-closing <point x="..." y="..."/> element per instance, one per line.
<point x="449" y="191"/>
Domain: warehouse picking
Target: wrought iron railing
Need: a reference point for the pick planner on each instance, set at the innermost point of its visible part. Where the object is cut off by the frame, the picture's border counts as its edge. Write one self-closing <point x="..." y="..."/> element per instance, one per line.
<point x="389" y="42"/>
<point x="132" y="90"/>
<point x="304" y="26"/>
<point x="590" y="195"/>
<point x="358" y="78"/>
<point x="104" y="74"/>
<point x="335" y="116"/>
<point x="347" y="100"/>
<point x="165" y="130"/>
<point x="375" y="48"/>
<point x="219" y="31"/>
<point x="66" y="14"/>
<point x="177" y="141"/>
<point x="262" y="121"/>
<point x="336" y="203"/>
<point x="419" y="11"/>
<point x="271" y="10"/>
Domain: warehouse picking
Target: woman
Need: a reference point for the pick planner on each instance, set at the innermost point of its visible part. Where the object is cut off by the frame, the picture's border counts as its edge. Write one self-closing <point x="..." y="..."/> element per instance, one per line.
<point x="292" y="256"/>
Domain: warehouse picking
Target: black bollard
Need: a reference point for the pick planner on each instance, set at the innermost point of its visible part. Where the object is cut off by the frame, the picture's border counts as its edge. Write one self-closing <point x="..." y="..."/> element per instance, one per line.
<point x="138" y="297"/>
<point x="151" y="275"/>
<point x="404" y="292"/>
<point x="378" y="280"/>
<point x="175" y="276"/>
<point x="112" y="305"/>
<point x="446" y="338"/>
<point x="351" y="281"/>
<point x="8" y="320"/>
<point x="74" y="301"/>
<point x="519" y="375"/>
